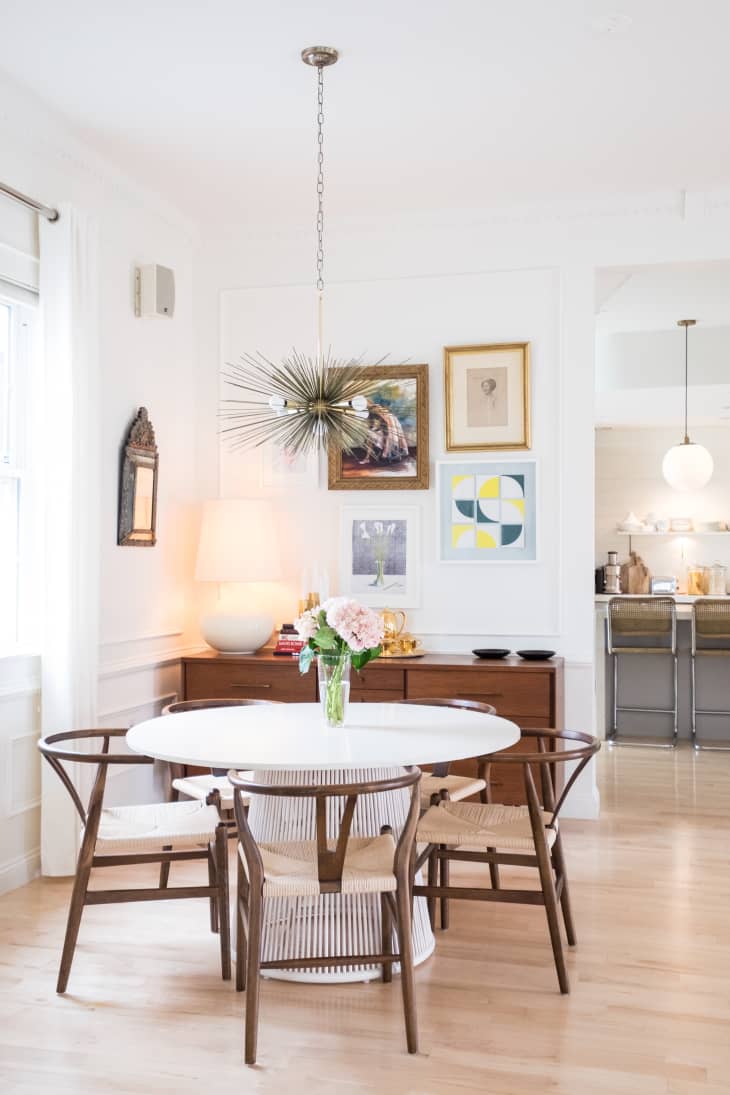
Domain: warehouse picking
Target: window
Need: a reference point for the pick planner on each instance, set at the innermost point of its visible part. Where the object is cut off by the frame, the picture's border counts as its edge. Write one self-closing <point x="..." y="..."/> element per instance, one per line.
<point x="18" y="496"/>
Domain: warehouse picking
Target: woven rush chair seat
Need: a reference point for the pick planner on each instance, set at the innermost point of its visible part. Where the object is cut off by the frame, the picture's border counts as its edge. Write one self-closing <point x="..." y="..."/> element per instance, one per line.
<point x="290" y="868"/>
<point x="497" y="834"/>
<point x="199" y="787"/>
<point x="120" y="836"/>
<point x="150" y="828"/>
<point x="489" y="826"/>
<point x="457" y="787"/>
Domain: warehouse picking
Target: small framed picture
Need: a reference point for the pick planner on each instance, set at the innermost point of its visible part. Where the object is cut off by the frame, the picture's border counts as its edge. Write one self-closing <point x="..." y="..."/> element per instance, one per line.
<point x="380" y="555"/>
<point x="487" y="512"/>
<point x="395" y="454"/>
<point x="280" y="468"/>
<point x="487" y="397"/>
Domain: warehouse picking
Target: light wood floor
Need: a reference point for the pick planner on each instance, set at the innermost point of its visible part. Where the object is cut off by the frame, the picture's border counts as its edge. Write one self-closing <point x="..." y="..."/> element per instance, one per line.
<point x="648" y="1015"/>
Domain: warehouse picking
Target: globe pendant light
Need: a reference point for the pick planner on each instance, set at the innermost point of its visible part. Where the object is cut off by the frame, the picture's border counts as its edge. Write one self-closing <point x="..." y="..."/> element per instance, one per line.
<point x="304" y="402"/>
<point x="687" y="466"/>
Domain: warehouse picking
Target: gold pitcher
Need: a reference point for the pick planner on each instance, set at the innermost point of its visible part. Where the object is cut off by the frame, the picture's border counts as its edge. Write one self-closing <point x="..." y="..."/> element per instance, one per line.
<point x="394" y="620"/>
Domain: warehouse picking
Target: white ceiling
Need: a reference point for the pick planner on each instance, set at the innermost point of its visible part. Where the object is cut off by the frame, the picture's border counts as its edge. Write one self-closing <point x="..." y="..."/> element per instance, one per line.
<point x="433" y="104"/>
<point x="653" y="298"/>
<point x="640" y="349"/>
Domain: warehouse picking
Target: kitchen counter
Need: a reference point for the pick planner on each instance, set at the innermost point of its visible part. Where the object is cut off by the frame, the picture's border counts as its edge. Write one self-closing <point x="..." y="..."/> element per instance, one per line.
<point x="683" y="602"/>
<point x="646" y="682"/>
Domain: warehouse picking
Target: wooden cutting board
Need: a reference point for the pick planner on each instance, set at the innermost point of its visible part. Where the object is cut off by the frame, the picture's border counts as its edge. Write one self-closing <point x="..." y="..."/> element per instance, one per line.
<point x="635" y="575"/>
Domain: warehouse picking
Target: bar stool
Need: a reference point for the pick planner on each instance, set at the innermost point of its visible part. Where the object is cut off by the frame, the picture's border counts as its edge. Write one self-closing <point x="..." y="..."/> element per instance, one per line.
<point x="653" y="619"/>
<point x="710" y="638"/>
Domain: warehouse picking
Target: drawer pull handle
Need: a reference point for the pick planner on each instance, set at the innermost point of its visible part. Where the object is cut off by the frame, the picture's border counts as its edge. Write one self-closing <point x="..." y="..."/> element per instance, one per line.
<point x="250" y="686"/>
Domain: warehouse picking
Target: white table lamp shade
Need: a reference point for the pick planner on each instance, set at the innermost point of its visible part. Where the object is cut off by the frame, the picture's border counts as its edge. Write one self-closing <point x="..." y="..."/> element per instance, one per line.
<point x="238" y="542"/>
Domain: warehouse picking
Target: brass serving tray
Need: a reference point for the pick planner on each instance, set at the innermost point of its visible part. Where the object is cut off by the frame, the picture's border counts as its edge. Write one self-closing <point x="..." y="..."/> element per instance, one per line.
<point x="410" y="654"/>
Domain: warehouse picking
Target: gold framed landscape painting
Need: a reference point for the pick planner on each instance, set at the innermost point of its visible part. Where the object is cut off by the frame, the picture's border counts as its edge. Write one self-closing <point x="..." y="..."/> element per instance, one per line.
<point x="487" y="397"/>
<point x="395" y="454"/>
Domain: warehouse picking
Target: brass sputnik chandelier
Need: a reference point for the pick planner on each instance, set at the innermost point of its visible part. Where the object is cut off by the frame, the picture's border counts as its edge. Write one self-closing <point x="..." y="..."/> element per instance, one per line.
<point x="304" y="402"/>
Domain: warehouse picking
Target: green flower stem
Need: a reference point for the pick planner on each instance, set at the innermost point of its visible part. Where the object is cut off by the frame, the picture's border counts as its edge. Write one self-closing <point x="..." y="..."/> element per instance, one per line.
<point x="335" y="699"/>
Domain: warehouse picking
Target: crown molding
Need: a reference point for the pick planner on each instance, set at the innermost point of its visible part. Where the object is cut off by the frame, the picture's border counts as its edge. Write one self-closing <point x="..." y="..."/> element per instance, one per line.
<point x="26" y="120"/>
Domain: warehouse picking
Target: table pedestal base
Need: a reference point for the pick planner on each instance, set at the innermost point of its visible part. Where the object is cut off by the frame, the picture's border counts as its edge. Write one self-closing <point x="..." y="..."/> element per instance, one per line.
<point x="342" y="924"/>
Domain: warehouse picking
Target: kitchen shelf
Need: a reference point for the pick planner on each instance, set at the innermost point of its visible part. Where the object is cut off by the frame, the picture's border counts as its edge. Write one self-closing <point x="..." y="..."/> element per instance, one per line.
<point x="674" y="532"/>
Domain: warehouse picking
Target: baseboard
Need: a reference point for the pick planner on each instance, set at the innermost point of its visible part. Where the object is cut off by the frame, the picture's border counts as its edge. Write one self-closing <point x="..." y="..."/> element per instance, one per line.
<point x="18" y="872"/>
<point x="584" y="803"/>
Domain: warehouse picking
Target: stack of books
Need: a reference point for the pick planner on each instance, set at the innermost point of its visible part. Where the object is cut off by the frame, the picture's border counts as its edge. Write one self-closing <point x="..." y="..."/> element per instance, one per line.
<point x="288" y="641"/>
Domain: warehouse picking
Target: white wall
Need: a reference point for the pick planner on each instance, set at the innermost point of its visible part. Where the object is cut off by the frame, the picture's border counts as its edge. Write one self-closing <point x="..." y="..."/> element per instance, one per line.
<point x="553" y="251"/>
<point x="640" y="376"/>
<point x="145" y="593"/>
<point x="460" y="606"/>
<point x="629" y="477"/>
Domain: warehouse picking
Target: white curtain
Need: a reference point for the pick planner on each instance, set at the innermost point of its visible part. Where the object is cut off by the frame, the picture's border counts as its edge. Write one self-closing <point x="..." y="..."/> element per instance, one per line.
<point x="69" y="303"/>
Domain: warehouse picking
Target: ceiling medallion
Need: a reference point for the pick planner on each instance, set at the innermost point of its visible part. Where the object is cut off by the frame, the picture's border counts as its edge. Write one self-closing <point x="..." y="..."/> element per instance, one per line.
<point x="304" y="402"/>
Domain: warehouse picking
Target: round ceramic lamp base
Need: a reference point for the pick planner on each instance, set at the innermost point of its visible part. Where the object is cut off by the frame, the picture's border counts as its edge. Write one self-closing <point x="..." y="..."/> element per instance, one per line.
<point x="236" y="633"/>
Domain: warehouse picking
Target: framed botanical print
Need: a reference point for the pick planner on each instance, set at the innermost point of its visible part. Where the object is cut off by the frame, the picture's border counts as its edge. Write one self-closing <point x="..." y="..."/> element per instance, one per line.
<point x="487" y="512"/>
<point x="487" y="397"/>
<point x="395" y="454"/>
<point x="380" y="555"/>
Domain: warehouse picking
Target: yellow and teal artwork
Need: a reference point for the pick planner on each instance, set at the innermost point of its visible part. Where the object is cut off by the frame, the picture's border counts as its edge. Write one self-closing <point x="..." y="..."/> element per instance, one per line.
<point x="487" y="512"/>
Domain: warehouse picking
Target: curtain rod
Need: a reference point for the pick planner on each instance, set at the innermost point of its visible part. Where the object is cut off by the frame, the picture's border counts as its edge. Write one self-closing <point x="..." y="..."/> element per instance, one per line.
<point x="44" y="210"/>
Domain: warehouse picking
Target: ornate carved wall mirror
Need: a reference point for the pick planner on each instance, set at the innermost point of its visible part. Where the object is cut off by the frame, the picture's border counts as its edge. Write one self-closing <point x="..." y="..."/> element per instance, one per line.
<point x="138" y="485"/>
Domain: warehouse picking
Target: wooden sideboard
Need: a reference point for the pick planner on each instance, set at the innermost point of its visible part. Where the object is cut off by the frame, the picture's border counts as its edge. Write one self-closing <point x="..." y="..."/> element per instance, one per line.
<point x="528" y="693"/>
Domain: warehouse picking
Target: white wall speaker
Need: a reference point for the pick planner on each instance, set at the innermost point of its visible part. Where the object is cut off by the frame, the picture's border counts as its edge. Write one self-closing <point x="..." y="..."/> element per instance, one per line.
<point x="154" y="291"/>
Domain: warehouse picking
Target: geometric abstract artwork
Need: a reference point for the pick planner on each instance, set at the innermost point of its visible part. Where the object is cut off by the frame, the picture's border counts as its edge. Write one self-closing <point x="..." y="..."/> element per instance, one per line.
<point x="487" y="512"/>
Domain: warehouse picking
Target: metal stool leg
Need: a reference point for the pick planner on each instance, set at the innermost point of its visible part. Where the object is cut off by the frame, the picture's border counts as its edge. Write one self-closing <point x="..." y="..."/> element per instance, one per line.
<point x="614" y="723"/>
<point x="693" y="700"/>
<point x="675" y="736"/>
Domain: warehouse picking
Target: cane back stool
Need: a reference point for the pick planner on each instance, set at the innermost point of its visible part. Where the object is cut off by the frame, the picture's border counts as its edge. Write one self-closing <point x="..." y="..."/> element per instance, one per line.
<point x="653" y="619"/>
<point x="710" y="639"/>
<point x="162" y="832"/>
<point x="341" y="864"/>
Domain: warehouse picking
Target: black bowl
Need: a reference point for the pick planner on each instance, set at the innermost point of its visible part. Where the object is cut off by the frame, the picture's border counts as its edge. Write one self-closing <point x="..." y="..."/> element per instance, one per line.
<point x="488" y="652"/>
<point x="535" y="655"/>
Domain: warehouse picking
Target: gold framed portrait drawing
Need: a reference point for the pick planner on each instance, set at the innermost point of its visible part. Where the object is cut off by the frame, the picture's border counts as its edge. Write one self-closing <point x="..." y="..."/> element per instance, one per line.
<point x="487" y="397"/>
<point x="395" y="453"/>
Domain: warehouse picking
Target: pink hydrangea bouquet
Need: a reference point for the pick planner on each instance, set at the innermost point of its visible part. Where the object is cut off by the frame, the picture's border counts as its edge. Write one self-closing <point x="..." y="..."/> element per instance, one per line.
<point x="338" y="633"/>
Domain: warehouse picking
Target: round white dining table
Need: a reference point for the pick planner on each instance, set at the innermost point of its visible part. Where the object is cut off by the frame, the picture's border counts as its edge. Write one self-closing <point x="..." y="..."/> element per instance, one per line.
<point x="291" y="744"/>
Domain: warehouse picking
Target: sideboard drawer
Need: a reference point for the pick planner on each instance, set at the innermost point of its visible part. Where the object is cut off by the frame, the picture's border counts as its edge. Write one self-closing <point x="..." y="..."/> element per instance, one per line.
<point x="206" y="680"/>
<point x="375" y="695"/>
<point x="512" y="694"/>
<point x="370" y="678"/>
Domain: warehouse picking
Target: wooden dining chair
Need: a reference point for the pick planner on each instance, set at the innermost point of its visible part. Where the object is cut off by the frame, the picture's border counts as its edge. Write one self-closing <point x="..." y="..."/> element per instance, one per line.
<point x="162" y="832"/>
<point x="211" y="787"/>
<point x="341" y="864"/>
<point x="524" y="836"/>
<point x="438" y="778"/>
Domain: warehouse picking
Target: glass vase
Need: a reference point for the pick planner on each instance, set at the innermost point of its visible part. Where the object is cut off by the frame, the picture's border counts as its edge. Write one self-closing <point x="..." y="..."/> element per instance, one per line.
<point x="334" y="686"/>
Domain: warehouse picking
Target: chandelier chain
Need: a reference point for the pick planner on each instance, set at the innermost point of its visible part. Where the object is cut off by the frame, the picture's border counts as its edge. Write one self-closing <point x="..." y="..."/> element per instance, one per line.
<point x="686" y="381"/>
<point x="320" y="179"/>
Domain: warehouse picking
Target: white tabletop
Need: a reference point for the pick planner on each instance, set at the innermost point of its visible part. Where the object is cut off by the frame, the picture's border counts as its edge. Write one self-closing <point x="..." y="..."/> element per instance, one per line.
<point x="295" y="736"/>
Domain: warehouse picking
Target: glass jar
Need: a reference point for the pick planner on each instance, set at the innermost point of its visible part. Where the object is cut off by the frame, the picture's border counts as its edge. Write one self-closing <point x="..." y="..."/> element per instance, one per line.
<point x="333" y="671"/>
<point x="697" y="581"/>
<point x="717" y="584"/>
